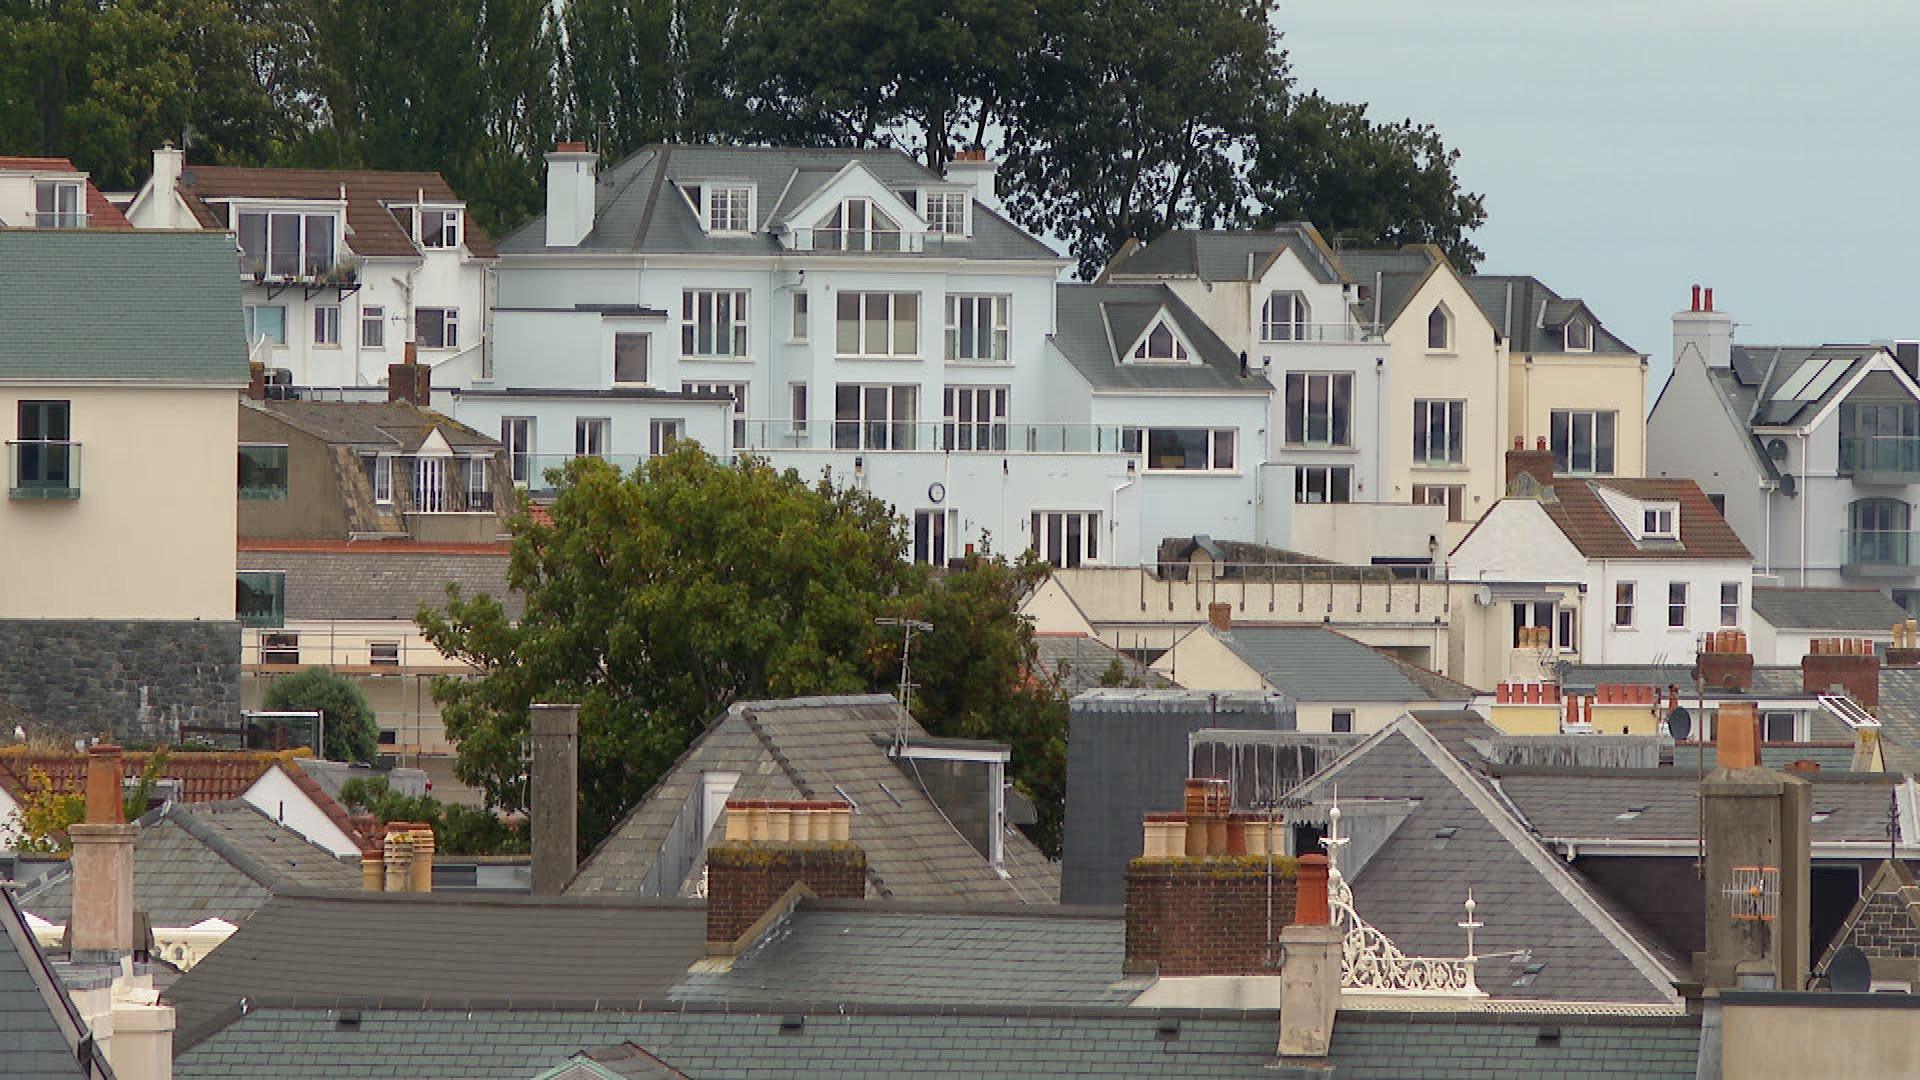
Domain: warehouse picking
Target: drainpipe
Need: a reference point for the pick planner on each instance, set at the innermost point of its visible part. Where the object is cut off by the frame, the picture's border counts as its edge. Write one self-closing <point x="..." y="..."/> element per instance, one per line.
<point x="1803" y="510"/>
<point x="1113" y="513"/>
<point x="1768" y="492"/>
<point x="1380" y="428"/>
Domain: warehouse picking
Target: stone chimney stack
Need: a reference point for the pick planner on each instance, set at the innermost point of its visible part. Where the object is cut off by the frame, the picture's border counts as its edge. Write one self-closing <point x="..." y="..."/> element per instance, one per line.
<point x="774" y="851"/>
<point x="1311" y="973"/>
<point x="1724" y="662"/>
<point x="1704" y="332"/>
<point x="103" y="922"/>
<point x="1535" y="464"/>
<point x="1220" y="617"/>
<point x="556" y="796"/>
<point x="1848" y="665"/>
<point x="570" y="182"/>
<point x="1756" y="825"/>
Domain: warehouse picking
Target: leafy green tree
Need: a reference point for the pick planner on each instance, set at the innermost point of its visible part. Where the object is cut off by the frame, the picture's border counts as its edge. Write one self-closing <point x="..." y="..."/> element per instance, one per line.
<point x="457" y="830"/>
<point x="351" y="734"/>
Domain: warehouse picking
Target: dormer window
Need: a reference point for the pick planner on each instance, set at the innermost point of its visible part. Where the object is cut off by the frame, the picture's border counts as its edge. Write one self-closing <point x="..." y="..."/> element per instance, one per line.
<point x="1660" y="522"/>
<point x="1579" y="335"/>
<point x="56" y="205"/>
<point x="946" y="213"/>
<point x="729" y="208"/>
<point x="439" y="229"/>
<point x="1160" y="345"/>
<point x="857" y="225"/>
<point x="288" y="244"/>
<point x="1284" y="317"/>
<point x="1440" y="329"/>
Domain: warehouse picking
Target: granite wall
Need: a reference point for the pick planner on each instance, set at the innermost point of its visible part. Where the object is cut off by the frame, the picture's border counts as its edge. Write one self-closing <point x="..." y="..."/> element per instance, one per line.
<point x="143" y="679"/>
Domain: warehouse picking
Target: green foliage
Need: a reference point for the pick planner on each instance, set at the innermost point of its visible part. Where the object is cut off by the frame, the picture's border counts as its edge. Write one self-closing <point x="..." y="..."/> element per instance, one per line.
<point x="44" y="815"/>
<point x="135" y="806"/>
<point x="457" y="830"/>
<point x="350" y="730"/>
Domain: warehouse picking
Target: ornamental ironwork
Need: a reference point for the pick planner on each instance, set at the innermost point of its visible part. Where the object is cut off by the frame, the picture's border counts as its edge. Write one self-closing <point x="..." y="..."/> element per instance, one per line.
<point x="1370" y="963"/>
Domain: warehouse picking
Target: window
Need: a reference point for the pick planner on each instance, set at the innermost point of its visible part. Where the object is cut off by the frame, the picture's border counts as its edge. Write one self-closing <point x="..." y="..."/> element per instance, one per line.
<point x="1719" y="502"/>
<point x="1066" y="538"/>
<point x="1342" y="721"/>
<point x="1323" y="484"/>
<point x="930" y="537"/>
<point x="797" y="406"/>
<point x="663" y="434"/>
<point x="1623" y="605"/>
<point x="1878" y="532"/>
<point x="56" y="205"/>
<point x="631" y="353"/>
<point x="1284" y="317"/>
<point x="436" y="328"/>
<point x="280" y="649"/>
<point x="713" y="322"/>
<point x="378" y="469"/>
<point x="729" y="209"/>
<point x="383" y="653"/>
<point x="1582" y="442"/>
<point x="1729" y="603"/>
<point x="1879" y="437"/>
<point x="1529" y="615"/>
<point x="1160" y="344"/>
<point x="799" y="332"/>
<point x="856" y="225"/>
<point x="1450" y="496"/>
<point x="326" y="325"/>
<point x="1658" y="523"/>
<point x="475" y="483"/>
<point x="260" y="598"/>
<point x="1190" y="449"/>
<point x="263" y="473"/>
<point x="44" y="459"/>
<point x="975" y="418"/>
<point x="268" y="321"/>
<point x="1320" y="408"/>
<point x="1779" y="727"/>
<point x="874" y="417"/>
<point x="1579" y="335"/>
<point x="877" y="324"/>
<point x="516" y="436"/>
<point x="1439" y="432"/>
<point x="373" y="327"/>
<point x="1677" y="604"/>
<point x="977" y="329"/>
<point x="590" y="436"/>
<point x="735" y="390"/>
<point x="287" y="244"/>
<point x="1567" y="638"/>
<point x="946" y="212"/>
<point x="1439" y="329"/>
<point x="439" y="229"/>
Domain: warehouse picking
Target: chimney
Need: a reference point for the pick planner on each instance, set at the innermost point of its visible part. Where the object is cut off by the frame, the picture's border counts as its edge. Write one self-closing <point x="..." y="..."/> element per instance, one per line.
<point x="1905" y="650"/>
<point x="1755" y="824"/>
<point x="399" y="862"/>
<point x="410" y="381"/>
<point x="1310" y="972"/>
<point x="570" y="180"/>
<point x="1536" y="464"/>
<point x="1220" y="617"/>
<point x="1704" y="331"/>
<point x="168" y="164"/>
<point x="1209" y="892"/>
<point x="1848" y="664"/>
<point x="556" y="796"/>
<point x="775" y="851"/>
<point x="972" y="168"/>
<point x="420" y="875"/>
<point x="102" y="923"/>
<point x="1724" y="662"/>
<point x="1737" y="738"/>
<point x="256" y="380"/>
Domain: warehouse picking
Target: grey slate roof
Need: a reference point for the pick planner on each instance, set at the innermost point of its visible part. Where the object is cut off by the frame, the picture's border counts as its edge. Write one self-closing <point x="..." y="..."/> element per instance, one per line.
<point x="812" y="748"/>
<point x="1867" y="611"/>
<point x="1075" y="663"/>
<point x="39" y="1036"/>
<point x="1753" y="383"/>
<point x="1094" y="324"/>
<point x="295" y="1044"/>
<point x="1587" y="804"/>
<point x="440" y="951"/>
<point x="207" y="860"/>
<point x="1227" y="254"/>
<point x="639" y="207"/>
<point x="385" y="425"/>
<point x="1313" y="663"/>
<point x="1530" y="315"/>
<point x="1899" y="715"/>
<point x="376" y="584"/>
<point x="107" y="304"/>
<point x="1396" y="273"/>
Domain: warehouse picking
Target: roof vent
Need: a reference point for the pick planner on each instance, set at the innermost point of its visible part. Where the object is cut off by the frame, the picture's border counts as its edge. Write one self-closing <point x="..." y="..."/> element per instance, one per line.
<point x="1632" y="812"/>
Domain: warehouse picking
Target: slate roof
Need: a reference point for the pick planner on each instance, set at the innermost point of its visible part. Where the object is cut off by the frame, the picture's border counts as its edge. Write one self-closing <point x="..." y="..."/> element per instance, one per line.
<point x="1766" y="371"/>
<point x="1862" y="611"/>
<point x="824" y="747"/>
<point x="1531" y="315"/>
<point x="387" y="425"/>
<point x="295" y="1044"/>
<point x="1227" y="254"/>
<point x="626" y="1061"/>
<point x="85" y="304"/>
<point x="371" y="227"/>
<point x="639" y="207"/>
<point x="1584" y="518"/>
<point x="1394" y="274"/>
<point x="210" y="860"/>
<point x="1899" y="716"/>
<point x="1412" y="888"/>
<point x="1073" y="663"/>
<point x="836" y="954"/>
<point x="39" y="1029"/>
<point x="1094" y="324"/>
<point x="1313" y="663"/>
<point x="1588" y="804"/>
<point x="436" y="950"/>
<point x="101" y="214"/>
<point x="382" y="583"/>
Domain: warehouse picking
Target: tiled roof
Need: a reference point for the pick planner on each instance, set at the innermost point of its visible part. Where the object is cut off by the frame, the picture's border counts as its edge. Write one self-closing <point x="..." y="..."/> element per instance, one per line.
<point x="1590" y="804"/>
<point x="207" y="860"/>
<point x="1865" y="611"/>
<point x="369" y="582"/>
<point x="371" y="227"/>
<point x="1397" y="273"/>
<point x="815" y="748"/>
<point x="1227" y="254"/>
<point x="1586" y="521"/>
<point x="1313" y="663"/>
<point x="1094" y="324"/>
<point x="1073" y="663"/>
<point x="1899" y="716"/>
<point x="101" y="214"/>
<point x="39" y="1039"/>
<point x="389" y="425"/>
<point x="1530" y="314"/>
<point x="154" y="306"/>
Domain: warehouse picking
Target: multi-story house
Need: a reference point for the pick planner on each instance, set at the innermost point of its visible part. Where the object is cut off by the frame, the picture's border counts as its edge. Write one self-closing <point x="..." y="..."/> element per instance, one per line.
<point x="49" y="193"/>
<point x="1813" y="452"/>
<point x="340" y="269"/>
<point x="121" y="366"/>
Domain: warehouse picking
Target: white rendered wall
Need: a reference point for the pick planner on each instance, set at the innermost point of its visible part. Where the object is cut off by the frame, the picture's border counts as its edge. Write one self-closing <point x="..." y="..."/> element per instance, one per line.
<point x="277" y="796"/>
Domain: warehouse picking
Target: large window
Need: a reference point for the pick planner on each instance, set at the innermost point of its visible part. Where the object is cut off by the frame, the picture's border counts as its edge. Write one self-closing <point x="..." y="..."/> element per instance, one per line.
<point x="591" y="434"/>
<point x="946" y="213"/>
<point x="44" y="458"/>
<point x="1677" y="604"/>
<point x="857" y="225"/>
<point x="263" y="472"/>
<point x="1439" y="432"/>
<point x="1320" y="408"/>
<point x="875" y="417"/>
<point x="974" y="418"/>
<point x="977" y="329"/>
<point x="373" y="327"/>
<point x="267" y="321"/>
<point x="57" y="204"/>
<point x="1879" y="437"/>
<point x="1184" y="449"/>
<point x="631" y="355"/>
<point x="877" y="324"/>
<point x="436" y="328"/>
<point x="713" y="322"/>
<point x="662" y="434"/>
<point x="260" y="598"/>
<point x="1323" y="484"/>
<point x="1284" y="317"/>
<point x="737" y="391"/>
<point x="1439" y="329"/>
<point x="1160" y="345"/>
<point x="1879" y="532"/>
<point x="930" y="531"/>
<point x="440" y="229"/>
<point x="287" y="243"/>
<point x="1582" y="442"/>
<point x="1067" y="538"/>
<point x="729" y="208"/>
<point x="1451" y="496"/>
<point x="1623" y="596"/>
<point x="1544" y="615"/>
<point x="516" y="436"/>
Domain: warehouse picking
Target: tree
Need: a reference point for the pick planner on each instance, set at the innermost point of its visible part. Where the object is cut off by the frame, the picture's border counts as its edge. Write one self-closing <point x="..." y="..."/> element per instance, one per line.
<point x="45" y="814"/>
<point x="351" y="734"/>
<point x="457" y="830"/>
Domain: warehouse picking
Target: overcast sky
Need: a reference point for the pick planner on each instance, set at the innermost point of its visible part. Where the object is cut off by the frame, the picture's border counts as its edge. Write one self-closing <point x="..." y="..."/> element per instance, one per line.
<point x="1628" y="148"/>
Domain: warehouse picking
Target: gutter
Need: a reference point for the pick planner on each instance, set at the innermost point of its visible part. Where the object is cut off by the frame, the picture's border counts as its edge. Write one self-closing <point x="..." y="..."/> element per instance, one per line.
<point x="1571" y="848"/>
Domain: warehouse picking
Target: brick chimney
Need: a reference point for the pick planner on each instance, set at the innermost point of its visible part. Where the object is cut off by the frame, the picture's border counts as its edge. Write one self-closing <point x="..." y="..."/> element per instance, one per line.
<point x="1846" y="663"/>
<point x="1220" y="617"/>
<point x="1536" y="464"/>
<point x="570" y="198"/>
<point x="775" y="851"/>
<point x="1724" y="663"/>
<point x="1201" y="907"/>
<point x="556" y="796"/>
<point x="1310" y="973"/>
<point x="410" y="381"/>
<point x="102" y="923"/>
<point x="1756" y="826"/>
<point x="256" y="380"/>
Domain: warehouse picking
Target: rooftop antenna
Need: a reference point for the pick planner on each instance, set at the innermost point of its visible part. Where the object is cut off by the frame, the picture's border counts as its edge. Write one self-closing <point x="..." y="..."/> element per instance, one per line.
<point x="907" y="626"/>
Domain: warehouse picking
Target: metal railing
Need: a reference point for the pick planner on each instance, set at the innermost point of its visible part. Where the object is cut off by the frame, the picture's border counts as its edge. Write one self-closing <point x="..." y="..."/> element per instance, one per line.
<point x="993" y="437"/>
<point x="1290" y="333"/>
<point x="1883" y="547"/>
<point x="60" y="219"/>
<point x="875" y="241"/>
<point x="43" y="469"/>
<point x="1897" y="455"/>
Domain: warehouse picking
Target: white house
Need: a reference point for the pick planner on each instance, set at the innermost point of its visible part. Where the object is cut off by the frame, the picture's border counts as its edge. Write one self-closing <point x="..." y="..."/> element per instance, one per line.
<point x="49" y="193"/>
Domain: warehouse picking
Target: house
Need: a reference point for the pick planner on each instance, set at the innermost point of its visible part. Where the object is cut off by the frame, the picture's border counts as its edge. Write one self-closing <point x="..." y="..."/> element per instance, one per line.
<point x="49" y="193"/>
<point x="340" y="269"/>
<point x="1786" y="619"/>
<point x="1813" y="451"/>
<point x="118" y="521"/>
<point x="1588" y="570"/>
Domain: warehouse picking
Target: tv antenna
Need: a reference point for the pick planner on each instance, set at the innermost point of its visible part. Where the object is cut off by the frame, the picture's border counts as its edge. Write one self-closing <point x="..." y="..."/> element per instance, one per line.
<point x="907" y="627"/>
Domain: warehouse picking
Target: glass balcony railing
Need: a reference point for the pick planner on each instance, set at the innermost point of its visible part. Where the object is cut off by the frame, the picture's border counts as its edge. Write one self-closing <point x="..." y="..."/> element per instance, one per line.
<point x="43" y="469"/>
<point x="1289" y="333"/>
<point x="1881" y="458"/>
<point x="1883" y="547"/>
<point x="60" y="219"/>
<point x="539" y="474"/>
<point x="991" y="437"/>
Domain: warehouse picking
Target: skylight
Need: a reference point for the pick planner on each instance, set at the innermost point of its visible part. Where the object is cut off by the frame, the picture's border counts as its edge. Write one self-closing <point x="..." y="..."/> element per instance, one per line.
<point x="1631" y="813"/>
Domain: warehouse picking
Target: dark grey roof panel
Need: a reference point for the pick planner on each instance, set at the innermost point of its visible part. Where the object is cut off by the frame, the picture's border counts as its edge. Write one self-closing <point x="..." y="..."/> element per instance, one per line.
<point x="1851" y="610"/>
<point x="1598" y="804"/>
<point x="1226" y="254"/>
<point x="1095" y="323"/>
<point x="34" y="1042"/>
<point x="1313" y="663"/>
<point x="383" y="585"/>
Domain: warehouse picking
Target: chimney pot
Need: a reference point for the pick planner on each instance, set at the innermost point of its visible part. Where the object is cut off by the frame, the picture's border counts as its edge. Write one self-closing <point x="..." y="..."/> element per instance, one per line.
<point x="1695" y="306"/>
<point x="1737" y="741"/>
<point x="105" y="803"/>
<point x="1310" y="906"/>
<point x="1706" y="303"/>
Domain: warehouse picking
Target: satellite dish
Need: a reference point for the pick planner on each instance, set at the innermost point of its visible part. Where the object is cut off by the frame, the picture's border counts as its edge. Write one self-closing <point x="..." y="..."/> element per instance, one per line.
<point x="1777" y="449"/>
<point x="1679" y="723"/>
<point x="1483" y="596"/>
<point x="1787" y="485"/>
<point x="1848" y="972"/>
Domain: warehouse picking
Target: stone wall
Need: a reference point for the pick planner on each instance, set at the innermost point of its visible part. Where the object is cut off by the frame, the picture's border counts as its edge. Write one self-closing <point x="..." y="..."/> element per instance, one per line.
<point x="142" y="679"/>
<point x="1207" y="916"/>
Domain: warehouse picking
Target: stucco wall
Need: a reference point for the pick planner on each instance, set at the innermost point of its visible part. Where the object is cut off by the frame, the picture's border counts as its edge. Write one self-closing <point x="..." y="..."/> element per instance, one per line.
<point x="1863" y="1037"/>
<point x="142" y="679"/>
<point x="1543" y="382"/>
<point x="313" y="508"/>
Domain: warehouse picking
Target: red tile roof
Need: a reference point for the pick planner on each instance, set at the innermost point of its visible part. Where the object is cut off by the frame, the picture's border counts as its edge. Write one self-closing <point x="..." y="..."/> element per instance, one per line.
<point x="1581" y="514"/>
<point x="101" y="214"/>
<point x="371" y="228"/>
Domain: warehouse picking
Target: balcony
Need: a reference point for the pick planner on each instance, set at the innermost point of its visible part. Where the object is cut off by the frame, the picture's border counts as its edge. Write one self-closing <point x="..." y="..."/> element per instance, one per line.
<point x="43" y="469"/>
<point x="1292" y="333"/>
<point x="874" y="241"/>
<point x="1881" y="553"/>
<point x="1881" y="459"/>
<point x="61" y="219"/>
<point x="989" y="437"/>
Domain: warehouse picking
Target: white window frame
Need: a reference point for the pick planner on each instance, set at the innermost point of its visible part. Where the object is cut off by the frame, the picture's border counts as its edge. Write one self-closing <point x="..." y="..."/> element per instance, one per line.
<point x="1451" y="496"/>
<point x="304" y="266"/>
<point x="646" y="358"/>
<point x="1795" y="726"/>
<point x="1577" y="463"/>
<point x="737" y="391"/>
<point x="381" y="478"/>
<point x="706" y="321"/>
<point x="1140" y="441"/>
<point x="945" y="222"/>
<point x="729" y="209"/>
<point x="797" y="406"/>
<point x="449" y="328"/>
<point x="964" y="311"/>
<point x="863" y="349"/>
<point x="974" y="417"/>
<point x="663" y="432"/>
<point x="1625" y="602"/>
<point x="1559" y="624"/>
<point x="1730" y="603"/>
<point x="445" y="236"/>
<point x="1069" y="551"/>
<point x="1340" y="721"/>
<point x="1677" y="609"/>
<point x="1329" y="382"/>
<point x="835" y="225"/>
<point x="1567" y="335"/>
<point x="591" y="436"/>
<point x="1291" y="324"/>
<point x="69" y="205"/>
<point x="1452" y="416"/>
<point x="280" y="647"/>
<point x="383" y="654"/>
<point x="800" y="331"/>
<point x="871" y="431"/>
<point x="1142" y="350"/>
<point x="1445" y="314"/>
<point x="1310" y="481"/>
<point x="373" y="326"/>
<point x="934" y="531"/>
<point x="516" y="436"/>
<point x="326" y="326"/>
<point x="250" y="314"/>
<point x="1660" y="523"/>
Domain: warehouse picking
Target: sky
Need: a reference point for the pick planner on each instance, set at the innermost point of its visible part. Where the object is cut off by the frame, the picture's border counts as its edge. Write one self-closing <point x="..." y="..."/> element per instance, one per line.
<point x="1630" y="148"/>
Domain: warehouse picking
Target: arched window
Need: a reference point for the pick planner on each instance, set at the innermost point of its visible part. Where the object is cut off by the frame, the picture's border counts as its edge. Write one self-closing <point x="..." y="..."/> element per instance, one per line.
<point x="1160" y="343"/>
<point x="1284" y="317"/>
<point x="1439" y="329"/>
<point x="1879" y="532"/>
